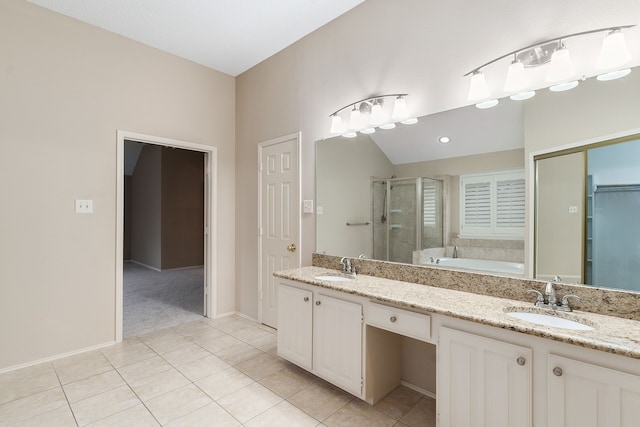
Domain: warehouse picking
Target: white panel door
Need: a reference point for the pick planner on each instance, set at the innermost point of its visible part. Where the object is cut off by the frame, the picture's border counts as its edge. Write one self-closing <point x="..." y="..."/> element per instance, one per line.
<point x="279" y="219"/>
<point x="337" y="342"/>
<point x="482" y="382"/>
<point x="585" y="395"/>
<point x="295" y="325"/>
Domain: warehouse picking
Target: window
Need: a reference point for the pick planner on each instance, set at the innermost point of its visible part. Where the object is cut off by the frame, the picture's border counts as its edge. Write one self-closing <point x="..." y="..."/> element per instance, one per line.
<point x="492" y="205"/>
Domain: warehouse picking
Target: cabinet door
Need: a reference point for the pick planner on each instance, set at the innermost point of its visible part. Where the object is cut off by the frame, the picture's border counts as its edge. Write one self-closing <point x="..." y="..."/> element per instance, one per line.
<point x="295" y="316"/>
<point x="482" y="382"/>
<point x="337" y="345"/>
<point x="585" y="395"/>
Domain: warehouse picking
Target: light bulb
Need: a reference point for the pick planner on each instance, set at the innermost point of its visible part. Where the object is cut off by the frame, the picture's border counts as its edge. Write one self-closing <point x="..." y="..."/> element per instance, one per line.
<point x="487" y="104"/>
<point x="367" y="131"/>
<point x="561" y="68"/>
<point x="336" y="124"/>
<point x="399" y="109"/>
<point x="564" y="86"/>
<point x="377" y="117"/>
<point x="614" y="52"/>
<point x="516" y="77"/>
<point x="350" y="135"/>
<point x="355" y="119"/>
<point x="613" y="75"/>
<point x="388" y="126"/>
<point x="478" y="87"/>
<point x="410" y="121"/>
<point x="523" y="95"/>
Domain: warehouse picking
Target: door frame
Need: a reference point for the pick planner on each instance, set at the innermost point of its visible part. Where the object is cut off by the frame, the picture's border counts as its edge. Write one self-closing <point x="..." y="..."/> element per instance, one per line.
<point x="297" y="136"/>
<point x="210" y="218"/>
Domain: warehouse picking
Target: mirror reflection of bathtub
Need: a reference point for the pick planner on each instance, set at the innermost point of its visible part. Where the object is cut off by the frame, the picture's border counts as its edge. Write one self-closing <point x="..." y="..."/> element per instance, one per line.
<point x="435" y="257"/>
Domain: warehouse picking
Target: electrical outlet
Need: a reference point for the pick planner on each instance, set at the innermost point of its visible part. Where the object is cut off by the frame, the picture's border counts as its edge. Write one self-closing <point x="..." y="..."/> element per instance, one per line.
<point x="84" y="206"/>
<point x="573" y="209"/>
<point x="307" y="206"/>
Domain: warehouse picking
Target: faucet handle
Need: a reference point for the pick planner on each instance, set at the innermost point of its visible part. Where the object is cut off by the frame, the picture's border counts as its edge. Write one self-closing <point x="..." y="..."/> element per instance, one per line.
<point x="539" y="296"/>
<point x="565" y="300"/>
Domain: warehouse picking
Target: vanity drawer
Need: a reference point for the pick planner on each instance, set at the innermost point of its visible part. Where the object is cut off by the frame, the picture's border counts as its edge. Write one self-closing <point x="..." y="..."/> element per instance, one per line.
<point x="400" y="321"/>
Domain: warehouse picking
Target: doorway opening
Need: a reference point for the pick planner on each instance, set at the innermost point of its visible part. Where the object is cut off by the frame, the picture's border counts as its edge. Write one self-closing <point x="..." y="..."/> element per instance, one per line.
<point x="164" y="262"/>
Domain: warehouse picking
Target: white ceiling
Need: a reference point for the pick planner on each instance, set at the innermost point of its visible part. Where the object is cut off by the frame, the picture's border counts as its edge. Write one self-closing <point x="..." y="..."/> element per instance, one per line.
<point x="227" y="35"/>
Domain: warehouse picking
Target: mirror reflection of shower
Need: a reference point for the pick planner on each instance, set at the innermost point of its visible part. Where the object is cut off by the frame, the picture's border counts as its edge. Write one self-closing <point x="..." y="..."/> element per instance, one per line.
<point x="383" y="218"/>
<point x="408" y="216"/>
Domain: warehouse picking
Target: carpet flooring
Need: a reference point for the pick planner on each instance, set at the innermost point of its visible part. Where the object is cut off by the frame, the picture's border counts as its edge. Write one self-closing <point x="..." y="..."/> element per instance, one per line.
<point x="156" y="300"/>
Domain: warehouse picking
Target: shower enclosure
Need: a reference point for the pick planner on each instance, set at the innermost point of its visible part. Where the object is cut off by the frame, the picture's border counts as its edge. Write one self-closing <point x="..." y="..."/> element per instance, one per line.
<point x="407" y="216"/>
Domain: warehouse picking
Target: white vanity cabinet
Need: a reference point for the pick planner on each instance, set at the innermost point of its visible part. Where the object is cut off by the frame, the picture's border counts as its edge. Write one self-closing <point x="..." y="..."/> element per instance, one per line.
<point x="482" y="382"/>
<point x="295" y="325"/>
<point x="337" y="342"/>
<point x="321" y="333"/>
<point x="582" y="394"/>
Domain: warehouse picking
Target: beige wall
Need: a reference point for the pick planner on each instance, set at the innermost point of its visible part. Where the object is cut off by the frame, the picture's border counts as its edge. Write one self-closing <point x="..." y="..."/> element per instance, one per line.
<point x="65" y="88"/>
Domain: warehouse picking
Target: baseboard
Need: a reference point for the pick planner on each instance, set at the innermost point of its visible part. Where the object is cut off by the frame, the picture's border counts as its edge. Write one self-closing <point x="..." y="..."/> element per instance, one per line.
<point x="146" y="266"/>
<point x="244" y="316"/>
<point x="56" y="357"/>
<point x="418" y="389"/>
<point x="183" y="268"/>
<point x="159" y="270"/>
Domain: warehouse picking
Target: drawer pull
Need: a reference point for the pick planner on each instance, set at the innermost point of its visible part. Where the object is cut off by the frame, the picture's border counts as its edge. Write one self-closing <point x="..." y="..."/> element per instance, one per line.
<point x="317" y="302"/>
<point x="393" y="319"/>
<point x="306" y="299"/>
<point x="557" y="372"/>
<point x="521" y="361"/>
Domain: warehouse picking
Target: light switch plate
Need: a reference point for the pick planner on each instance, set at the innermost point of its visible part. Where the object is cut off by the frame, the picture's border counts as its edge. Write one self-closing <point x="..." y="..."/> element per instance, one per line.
<point x="84" y="206"/>
<point x="307" y="206"/>
<point x="573" y="209"/>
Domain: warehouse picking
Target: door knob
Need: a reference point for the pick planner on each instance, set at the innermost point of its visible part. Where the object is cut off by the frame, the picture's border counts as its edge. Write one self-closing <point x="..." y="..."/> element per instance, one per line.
<point x="557" y="372"/>
<point x="292" y="247"/>
<point x="521" y="361"/>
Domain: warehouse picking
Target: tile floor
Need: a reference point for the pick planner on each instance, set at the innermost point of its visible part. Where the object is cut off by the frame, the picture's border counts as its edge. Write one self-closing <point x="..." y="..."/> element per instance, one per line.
<point x="221" y="372"/>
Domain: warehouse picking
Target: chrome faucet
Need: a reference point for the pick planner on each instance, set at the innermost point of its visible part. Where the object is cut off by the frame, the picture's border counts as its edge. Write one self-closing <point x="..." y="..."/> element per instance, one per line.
<point x="550" y="300"/>
<point x="346" y="264"/>
<point x="455" y="252"/>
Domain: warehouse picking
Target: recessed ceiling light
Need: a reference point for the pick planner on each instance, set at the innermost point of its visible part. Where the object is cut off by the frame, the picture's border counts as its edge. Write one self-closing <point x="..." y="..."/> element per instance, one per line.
<point x="444" y="140"/>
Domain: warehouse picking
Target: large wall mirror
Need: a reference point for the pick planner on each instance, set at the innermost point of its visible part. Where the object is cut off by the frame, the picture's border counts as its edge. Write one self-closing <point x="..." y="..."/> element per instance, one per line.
<point x="396" y="195"/>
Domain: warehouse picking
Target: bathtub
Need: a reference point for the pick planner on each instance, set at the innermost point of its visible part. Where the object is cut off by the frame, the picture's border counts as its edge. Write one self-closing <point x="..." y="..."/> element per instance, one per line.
<point x="503" y="267"/>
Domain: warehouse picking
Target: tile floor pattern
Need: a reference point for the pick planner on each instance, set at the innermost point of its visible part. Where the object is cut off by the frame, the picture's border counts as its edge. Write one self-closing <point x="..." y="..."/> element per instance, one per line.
<point x="221" y="372"/>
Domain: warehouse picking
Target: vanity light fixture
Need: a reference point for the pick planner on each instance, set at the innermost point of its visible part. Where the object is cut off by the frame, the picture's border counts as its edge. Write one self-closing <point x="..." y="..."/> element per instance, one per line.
<point x="370" y="113"/>
<point x="561" y="73"/>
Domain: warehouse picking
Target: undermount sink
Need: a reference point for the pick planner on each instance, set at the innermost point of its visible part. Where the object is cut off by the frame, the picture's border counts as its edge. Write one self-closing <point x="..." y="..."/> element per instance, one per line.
<point x="333" y="278"/>
<point x="549" y="320"/>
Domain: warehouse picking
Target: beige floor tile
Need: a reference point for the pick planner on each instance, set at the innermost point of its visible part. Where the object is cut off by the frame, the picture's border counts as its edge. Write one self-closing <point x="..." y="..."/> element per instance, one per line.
<point x="239" y="354"/>
<point x="359" y="414"/>
<point x="177" y="403"/>
<point x="223" y="383"/>
<point x="61" y="417"/>
<point x="320" y="400"/>
<point x="129" y="352"/>
<point x="165" y="341"/>
<point x="25" y="373"/>
<point x="202" y="368"/>
<point x="28" y="385"/>
<point x="249" y="401"/>
<point x="137" y="416"/>
<point x="159" y="384"/>
<point x="283" y="414"/>
<point x="268" y="344"/>
<point x="91" y="386"/>
<point x="234" y="325"/>
<point x="422" y="415"/>
<point x="185" y="354"/>
<point x="220" y="343"/>
<point x="211" y="415"/>
<point x="261" y="366"/>
<point x="249" y="333"/>
<point x="145" y="368"/>
<point x="198" y="331"/>
<point x="80" y="368"/>
<point x="31" y="406"/>
<point x="397" y="403"/>
<point x="103" y="405"/>
<point x="288" y="381"/>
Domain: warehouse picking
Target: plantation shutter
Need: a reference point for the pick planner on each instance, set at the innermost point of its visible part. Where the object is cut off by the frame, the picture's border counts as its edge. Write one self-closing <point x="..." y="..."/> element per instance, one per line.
<point x="429" y="195"/>
<point x="492" y="205"/>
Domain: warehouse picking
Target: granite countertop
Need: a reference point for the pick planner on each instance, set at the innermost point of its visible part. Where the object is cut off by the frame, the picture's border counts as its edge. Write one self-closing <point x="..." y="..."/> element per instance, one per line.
<point x="610" y="334"/>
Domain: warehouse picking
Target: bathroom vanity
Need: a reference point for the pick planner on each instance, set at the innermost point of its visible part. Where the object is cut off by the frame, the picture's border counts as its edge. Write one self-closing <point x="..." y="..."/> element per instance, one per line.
<point x="491" y="369"/>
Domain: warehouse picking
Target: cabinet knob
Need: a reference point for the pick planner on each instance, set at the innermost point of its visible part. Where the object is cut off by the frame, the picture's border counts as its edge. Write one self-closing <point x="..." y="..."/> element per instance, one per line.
<point x="521" y="361"/>
<point x="557" y="371"/>
<point x="317" y="302"/>
<point x="393" y="319"/>
<point x="306" y="299"/>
